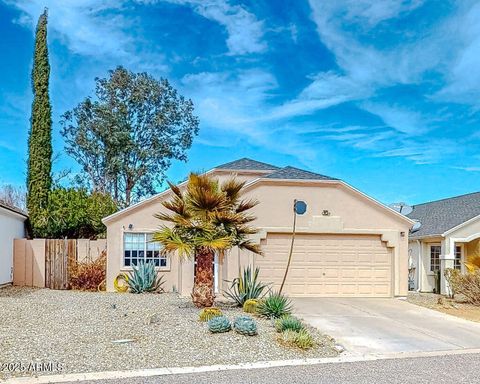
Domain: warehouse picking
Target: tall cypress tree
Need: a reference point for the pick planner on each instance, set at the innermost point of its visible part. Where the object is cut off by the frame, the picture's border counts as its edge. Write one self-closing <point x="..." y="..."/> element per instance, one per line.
<point x="39" y="178"/>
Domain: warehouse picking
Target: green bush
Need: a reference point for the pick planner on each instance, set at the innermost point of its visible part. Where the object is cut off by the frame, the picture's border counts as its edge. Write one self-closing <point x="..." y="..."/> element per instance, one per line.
<point x="274" y="306"/>
<point x="144" y="278"/>
<point x="288" y="322"/>
<point x="246" y="287"/>
<point x="74" y="213"/>
<point x="219" y="324"/>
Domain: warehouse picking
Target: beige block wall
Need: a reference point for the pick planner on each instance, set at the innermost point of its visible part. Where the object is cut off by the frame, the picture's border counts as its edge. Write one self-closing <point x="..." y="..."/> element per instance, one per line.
<point x="350" y="212"/>
<point x="29" y="263"/>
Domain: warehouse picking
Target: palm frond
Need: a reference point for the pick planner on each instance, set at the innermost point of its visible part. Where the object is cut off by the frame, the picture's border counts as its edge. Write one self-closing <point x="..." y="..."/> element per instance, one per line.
<point x="245" y="205"/>
<point x="175" y="189"/>
<point x="250" y="246"/>
<point x="173" y="242"/>
<point x="232" y="188"/>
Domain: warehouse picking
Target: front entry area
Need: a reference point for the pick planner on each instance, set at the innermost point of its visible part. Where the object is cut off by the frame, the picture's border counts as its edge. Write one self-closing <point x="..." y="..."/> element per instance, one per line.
<point x="328" y="265"/>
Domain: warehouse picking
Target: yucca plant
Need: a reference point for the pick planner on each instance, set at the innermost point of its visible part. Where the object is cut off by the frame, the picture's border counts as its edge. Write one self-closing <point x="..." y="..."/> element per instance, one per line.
<point x="246" y="287"/>
<point x="288" y="322"/>
<point x="144" y="278"/>
<point x="274" y="306"/>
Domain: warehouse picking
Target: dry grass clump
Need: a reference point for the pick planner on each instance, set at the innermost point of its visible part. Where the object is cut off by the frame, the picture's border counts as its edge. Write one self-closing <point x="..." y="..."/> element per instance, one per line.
<point x="88" y="275"/>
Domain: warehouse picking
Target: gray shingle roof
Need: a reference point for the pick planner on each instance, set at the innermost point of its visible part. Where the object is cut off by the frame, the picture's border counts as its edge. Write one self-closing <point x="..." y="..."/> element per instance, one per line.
<point x="296" y="173"/>
<point x="248" y="164"/>
<point x="439" y="216"/>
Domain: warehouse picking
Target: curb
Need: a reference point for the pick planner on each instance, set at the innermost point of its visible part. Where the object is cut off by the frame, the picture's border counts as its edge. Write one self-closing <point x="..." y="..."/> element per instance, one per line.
<point x="116" y="375"/>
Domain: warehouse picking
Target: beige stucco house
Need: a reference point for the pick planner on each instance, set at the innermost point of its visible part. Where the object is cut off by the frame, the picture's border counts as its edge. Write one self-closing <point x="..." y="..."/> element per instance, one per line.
<point x="347" y="243"/>
<point x="448" y="234"/>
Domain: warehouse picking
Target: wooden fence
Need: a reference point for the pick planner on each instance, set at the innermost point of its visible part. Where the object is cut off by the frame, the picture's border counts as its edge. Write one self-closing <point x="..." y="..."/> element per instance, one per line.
<point x="44" y="262"/>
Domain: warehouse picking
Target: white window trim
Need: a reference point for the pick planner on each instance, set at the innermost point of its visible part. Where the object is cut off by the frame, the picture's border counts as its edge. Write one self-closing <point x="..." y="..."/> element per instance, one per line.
<point x="462" y="257"/>
<point x="430" y="272"/>
<point x="123" y="267"/>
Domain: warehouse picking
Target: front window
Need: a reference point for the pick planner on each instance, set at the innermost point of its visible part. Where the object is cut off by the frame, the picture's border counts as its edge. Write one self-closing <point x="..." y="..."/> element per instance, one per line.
<point x="457" y="263"/>
<point x="139" y="246"/>
<point x="435" y="251"/>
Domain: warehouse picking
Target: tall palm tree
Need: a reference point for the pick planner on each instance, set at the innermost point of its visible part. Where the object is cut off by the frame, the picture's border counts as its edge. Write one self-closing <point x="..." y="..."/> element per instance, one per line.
<point x="206" y="218"/>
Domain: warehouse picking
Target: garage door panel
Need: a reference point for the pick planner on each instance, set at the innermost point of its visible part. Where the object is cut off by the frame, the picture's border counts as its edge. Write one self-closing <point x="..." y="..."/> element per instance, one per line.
<point x="328" y="265"/>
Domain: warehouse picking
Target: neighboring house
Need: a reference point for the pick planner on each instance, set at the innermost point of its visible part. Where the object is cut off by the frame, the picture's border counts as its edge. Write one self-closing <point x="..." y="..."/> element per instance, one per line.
<point x="347" y="243"/>
<point x="449" y="232"/>
<point x="12" y="226"/>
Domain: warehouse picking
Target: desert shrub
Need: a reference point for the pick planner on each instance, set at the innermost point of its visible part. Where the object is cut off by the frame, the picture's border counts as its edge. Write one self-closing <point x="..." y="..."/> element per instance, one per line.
<point x="207" y="314"/>
<point x="144" y="278"/>
<point x="301" y="339"/>
<point x="288" y="322"/>
<point x="304" y="339"/>
<point x="88" y="275"/>
<point x="452" y="275"/>
<point x="467" y="285"/>
<point x="274" y="306"/>
<point x="246" y="286"/>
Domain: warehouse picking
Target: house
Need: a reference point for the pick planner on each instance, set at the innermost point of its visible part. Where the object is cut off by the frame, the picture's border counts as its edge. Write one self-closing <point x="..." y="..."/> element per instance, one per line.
<point x="449" y="232"/>
<point x="347" y="243"/>
<point x="12" y="226"/>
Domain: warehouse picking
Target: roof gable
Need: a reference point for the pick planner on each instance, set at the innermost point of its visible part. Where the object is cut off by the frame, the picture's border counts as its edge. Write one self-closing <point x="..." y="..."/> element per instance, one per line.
<point x="437" y="217"/>
<point x="292" y="173"/>
<point x="247" y="164"/>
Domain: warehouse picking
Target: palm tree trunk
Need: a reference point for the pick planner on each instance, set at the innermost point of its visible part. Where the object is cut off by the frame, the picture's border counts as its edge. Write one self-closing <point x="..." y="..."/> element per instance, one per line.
<point x="203" y="294"/>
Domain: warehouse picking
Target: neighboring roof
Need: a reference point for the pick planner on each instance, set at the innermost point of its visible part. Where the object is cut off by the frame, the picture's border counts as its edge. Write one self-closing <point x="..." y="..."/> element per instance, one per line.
<point x="437" y="217"/>
<point x="292" y="173"/>
<point x="247" y="164"/>
<point x="13" y="209"/>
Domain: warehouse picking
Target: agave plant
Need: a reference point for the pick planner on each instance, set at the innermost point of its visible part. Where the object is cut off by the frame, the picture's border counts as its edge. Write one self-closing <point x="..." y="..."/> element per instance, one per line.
<point x="246" y="287"/>
<point x="288" y="322"/>
<point x="274" y="306"/>
<point x="144" y="278"/>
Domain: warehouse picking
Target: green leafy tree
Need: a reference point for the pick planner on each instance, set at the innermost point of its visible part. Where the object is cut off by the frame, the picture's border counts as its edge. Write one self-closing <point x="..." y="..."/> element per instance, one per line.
<point x="39" y="179"/>
<point x="75" y="213"/>
<point x="206" y="218"/>
<point x="126" y="137"/>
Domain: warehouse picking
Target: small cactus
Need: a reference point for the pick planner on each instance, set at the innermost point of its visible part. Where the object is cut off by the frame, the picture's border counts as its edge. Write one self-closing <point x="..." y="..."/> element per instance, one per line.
<point x="209" y="313"/>
<point x="250" y="306"/>
<point x="219" y="324"/>
<point x="245" y="325"/>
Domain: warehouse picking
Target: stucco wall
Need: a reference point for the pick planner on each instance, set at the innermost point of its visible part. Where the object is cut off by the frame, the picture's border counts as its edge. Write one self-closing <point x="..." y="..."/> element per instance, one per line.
<point x="349" y="213"/>
<point x="11" y="227"/>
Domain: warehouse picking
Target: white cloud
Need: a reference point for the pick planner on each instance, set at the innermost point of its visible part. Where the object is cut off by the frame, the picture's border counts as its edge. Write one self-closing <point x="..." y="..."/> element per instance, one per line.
<point x="244" y="31"/>
<point x="402" y="119"/>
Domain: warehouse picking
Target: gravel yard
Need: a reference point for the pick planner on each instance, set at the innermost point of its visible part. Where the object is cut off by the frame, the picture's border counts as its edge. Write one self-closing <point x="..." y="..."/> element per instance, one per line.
<point x="454" y="307"/>
<point x="77" y="330"/>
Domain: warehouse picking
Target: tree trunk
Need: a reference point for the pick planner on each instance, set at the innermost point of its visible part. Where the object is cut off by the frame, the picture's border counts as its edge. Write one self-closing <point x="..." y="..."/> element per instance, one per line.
<point x="203" y="295"/>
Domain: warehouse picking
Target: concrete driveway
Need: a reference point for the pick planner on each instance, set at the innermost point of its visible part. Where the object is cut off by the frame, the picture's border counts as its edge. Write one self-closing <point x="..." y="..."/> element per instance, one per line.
<point x="384" y="326"/>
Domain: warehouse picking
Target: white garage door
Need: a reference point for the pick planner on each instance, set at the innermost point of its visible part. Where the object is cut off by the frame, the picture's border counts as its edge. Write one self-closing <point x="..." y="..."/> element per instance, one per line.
<point x="328" y="265"/>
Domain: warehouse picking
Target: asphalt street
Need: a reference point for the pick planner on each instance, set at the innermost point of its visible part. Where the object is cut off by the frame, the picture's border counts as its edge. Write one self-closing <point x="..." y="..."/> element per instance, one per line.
<point x="456" y="369"/>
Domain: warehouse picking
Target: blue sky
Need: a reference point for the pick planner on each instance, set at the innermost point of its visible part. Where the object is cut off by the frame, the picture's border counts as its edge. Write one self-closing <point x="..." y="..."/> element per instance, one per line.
<point x="383" y="94"/>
